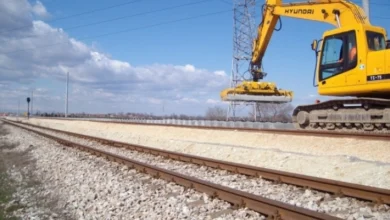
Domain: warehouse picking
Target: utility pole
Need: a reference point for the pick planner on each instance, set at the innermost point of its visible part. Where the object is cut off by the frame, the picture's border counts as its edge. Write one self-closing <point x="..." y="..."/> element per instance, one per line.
<point x="28" y="107"/>
<point x="244" y="31"/>
<point x="32" y="101"/>
<point x="66" y="99"/>
<point x="18" y="110"/>
<point x="366" y="7"/>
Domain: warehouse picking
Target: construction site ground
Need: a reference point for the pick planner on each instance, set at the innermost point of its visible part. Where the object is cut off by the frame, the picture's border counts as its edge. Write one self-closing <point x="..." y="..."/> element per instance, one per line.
<point x="352" y="160"/>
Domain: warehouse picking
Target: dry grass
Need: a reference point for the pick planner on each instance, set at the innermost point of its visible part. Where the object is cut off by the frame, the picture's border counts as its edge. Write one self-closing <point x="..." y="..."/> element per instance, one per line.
<point x="23" y="163"/>
<point x="7" y="188"/>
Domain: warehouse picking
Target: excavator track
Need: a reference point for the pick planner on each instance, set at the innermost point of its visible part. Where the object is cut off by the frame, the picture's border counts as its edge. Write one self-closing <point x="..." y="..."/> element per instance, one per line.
<point x="362" y="115"/>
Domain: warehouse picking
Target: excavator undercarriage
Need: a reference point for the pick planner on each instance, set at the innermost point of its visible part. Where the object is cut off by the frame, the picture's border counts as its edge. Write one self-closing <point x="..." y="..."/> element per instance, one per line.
<point x="363" y="115"/>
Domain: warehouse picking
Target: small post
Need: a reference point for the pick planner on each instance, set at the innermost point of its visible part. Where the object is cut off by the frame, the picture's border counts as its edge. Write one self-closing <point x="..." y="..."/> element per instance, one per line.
<point x="66" y="98"/>
<point x="28" y="107"/>
<point x="18" y="110"/>
<point x="32" y="102"/>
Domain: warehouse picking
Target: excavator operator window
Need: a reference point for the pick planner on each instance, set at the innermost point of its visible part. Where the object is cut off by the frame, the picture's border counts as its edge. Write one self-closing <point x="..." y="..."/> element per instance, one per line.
<point x="339" y="54"/>
<point x="375" y="41"/>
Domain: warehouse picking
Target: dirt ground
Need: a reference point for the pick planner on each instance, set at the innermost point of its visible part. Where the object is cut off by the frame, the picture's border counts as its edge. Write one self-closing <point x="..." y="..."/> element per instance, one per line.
<point x="19" y="188"/>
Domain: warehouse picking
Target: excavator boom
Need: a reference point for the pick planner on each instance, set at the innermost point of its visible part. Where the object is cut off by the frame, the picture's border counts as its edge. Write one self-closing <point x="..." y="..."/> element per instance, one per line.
<point x="336" y="12"/>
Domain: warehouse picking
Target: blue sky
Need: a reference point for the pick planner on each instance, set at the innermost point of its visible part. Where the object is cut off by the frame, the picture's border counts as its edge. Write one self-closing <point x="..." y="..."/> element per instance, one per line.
<point x="203" y="43"/>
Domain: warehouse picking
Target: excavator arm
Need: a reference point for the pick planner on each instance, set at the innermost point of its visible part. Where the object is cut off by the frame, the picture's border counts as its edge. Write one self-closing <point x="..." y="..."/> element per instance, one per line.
<point x="335" y="12"/>
<point x="338" y="13"/>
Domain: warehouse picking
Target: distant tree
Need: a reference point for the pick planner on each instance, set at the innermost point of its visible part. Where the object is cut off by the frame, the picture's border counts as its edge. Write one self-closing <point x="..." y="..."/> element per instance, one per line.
<point x="174" y="116"/>
<point x="216" y="113"/>
<point x="184" y="117"/>
<point x="273" y="112"/>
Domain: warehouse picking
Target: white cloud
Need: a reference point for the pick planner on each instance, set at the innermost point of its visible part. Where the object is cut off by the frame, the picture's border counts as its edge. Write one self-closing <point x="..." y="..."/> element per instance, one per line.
<point x="187" y="99"/>
<point x="39" y="9"/>
<point x="187" y="68"/>
<point x="212" y="101"/>
<point x="154" y="101"/>
<point x="220" y="73"/>
<point x="93" y="74"/>
<point x="14" y="14"/>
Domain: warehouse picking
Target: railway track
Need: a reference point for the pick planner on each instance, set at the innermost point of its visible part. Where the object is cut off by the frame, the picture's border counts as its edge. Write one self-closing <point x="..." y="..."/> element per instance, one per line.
<point x="372" y="194"/>
<point x="270" y="208"/>
<point x="295" y="132"/>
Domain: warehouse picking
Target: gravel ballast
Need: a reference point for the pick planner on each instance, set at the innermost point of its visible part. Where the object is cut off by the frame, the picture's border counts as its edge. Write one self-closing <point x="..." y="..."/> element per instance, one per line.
<point x="346" y="208"/>
<point x="364" y="162"/>
<point x="82" y="186"/>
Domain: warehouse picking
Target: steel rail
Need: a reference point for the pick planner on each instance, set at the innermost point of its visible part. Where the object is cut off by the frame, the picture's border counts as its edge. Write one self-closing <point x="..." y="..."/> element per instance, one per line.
<point x="339" y="188"/>
<point x="316" y="133"/>
<point x="271" y="208"/>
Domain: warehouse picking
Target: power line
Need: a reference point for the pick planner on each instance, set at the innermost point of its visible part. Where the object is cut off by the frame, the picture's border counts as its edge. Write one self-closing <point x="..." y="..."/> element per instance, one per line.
<point x="128" y="16"/>
<point x="80" y="14"/>
<point x="378" y="17"/>
<point x="226" y="2"/>
<point x="124" y="31"/>
<point x="375" y="3"/>
<point x="134" y="15"/>
<point x="371" y="3"/>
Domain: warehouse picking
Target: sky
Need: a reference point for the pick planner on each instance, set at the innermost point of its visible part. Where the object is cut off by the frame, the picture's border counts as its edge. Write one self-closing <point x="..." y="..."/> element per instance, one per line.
<point x="145" y="56"/>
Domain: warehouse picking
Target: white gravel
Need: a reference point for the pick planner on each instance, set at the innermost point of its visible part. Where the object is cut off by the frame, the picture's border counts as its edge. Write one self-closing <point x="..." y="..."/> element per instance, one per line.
<point x="344" y="159"/>
<point x="346" y="208"/>
<point x="87" y="187"/>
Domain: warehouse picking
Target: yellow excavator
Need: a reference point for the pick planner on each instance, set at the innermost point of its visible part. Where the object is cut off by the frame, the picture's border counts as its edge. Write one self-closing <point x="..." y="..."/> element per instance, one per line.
<point x="352" y="63"/>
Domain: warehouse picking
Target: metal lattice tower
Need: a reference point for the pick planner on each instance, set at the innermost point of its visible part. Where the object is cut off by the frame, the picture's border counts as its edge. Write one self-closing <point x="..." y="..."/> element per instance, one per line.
<point x="244" y="31"/>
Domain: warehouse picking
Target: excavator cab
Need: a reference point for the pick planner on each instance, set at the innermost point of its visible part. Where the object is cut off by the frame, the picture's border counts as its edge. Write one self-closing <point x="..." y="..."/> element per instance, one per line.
<point x="351" y="61"/>
<point x="337" y="56"/>
<point x="347" y="57"/>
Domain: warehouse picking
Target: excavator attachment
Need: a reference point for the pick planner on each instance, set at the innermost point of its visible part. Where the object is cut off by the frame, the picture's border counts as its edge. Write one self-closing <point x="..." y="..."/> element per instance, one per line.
<point x="251" y="91"/>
